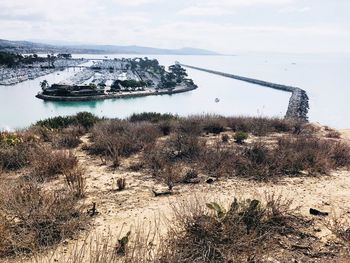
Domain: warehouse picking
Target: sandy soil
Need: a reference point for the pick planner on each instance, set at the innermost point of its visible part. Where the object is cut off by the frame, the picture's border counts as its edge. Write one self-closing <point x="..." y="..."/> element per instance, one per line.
<point x="120" y="211"/>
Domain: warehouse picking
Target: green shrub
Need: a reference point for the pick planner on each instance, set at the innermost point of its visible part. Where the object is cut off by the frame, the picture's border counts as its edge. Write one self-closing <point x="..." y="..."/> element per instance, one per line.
<point x="213" y="127"/>
<point x="84" y="119"/>
<point x="152" y="117"/>
<point x="240" y="137"/>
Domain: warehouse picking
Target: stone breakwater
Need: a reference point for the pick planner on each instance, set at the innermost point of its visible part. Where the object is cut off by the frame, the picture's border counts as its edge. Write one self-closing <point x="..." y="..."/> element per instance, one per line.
<point x="298" y="103"/>
<point x="116" y="95"/>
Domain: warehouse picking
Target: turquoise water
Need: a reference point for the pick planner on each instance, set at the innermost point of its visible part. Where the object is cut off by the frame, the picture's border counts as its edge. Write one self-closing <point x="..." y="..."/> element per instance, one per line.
<point x="324" y="78"/>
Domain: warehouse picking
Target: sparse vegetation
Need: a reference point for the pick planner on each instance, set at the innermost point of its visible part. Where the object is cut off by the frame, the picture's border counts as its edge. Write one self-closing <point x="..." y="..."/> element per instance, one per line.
<point x="39" y="207"/>
<point x="46" y="163"/>
<point x="247" y="230"/>
<point x="32" y="219"/>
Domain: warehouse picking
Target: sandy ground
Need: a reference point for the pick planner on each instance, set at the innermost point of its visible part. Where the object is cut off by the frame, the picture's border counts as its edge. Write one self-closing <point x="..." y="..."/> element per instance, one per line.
<point x="120" y="211"/>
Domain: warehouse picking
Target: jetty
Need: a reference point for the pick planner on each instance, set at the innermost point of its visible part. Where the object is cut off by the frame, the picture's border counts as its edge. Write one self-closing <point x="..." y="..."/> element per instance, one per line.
<point x="298" y="106"/>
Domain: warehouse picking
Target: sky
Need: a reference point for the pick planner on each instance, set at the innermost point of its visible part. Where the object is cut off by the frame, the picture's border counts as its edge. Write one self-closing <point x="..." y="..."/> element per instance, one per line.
<point x="226" y="26"/>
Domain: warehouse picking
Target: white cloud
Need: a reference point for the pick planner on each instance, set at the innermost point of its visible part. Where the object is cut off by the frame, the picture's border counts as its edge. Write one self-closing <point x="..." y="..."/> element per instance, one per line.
<point x="171" y="24"/>
<point x="242" y="3"/>
<point x="293" y="9"/>
<point x="225" y="7"/>
<point x="205" y="11"/>
<point x="135" y="2"/>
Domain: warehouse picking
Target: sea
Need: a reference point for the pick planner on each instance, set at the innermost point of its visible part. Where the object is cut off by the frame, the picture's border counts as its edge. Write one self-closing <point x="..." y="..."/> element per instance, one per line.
<point x="325" y="77"/>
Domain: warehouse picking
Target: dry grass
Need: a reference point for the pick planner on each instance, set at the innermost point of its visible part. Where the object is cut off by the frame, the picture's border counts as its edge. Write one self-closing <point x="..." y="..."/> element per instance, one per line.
<point x="75" y="181"/>
<point x="15" y="150"/>
<point x="245" y="230"/>
<point x="47" y="163"/>
<point x="291" y="155"/>
<point x="121" y="138"/>
<point x="32" y="219"/>
<point x="68" y="138"/>
<point x="175" y="150"/>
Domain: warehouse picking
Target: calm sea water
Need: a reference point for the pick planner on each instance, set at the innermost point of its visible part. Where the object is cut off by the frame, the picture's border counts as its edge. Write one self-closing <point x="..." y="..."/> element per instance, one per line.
<point x="325" y="79"/>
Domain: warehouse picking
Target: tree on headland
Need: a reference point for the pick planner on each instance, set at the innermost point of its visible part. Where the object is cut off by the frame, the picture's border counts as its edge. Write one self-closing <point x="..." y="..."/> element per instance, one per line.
<point x="44" y="84"/>
<point x="179" y="72"/>
<point x="51" y="59"/>
<point x="64" y="55"/>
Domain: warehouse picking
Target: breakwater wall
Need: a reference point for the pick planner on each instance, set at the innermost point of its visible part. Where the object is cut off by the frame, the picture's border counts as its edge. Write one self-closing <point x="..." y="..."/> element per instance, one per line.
<point x="298" y="106"/>
<point x="42" y="96"/>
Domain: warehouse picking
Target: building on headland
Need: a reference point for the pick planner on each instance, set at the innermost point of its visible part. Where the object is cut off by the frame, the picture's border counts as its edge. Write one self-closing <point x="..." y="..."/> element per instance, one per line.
<point x="74" y="90"/>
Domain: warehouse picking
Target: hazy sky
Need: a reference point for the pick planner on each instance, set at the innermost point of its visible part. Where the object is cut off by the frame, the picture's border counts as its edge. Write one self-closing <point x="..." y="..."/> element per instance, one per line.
<point x="227" y="26"/>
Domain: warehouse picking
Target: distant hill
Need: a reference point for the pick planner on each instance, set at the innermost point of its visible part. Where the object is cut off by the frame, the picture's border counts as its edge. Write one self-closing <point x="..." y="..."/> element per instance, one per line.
<point x="34" y="47"/>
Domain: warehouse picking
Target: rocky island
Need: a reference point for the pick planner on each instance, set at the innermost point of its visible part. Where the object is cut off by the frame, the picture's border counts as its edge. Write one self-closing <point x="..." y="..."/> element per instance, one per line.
<point x="119" y="78"/>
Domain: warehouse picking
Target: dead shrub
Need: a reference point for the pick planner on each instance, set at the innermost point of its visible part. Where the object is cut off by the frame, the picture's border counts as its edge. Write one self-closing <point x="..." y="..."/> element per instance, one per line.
<point x="304" y="154"/>
<point x="121" y="184"/>
<point x="47" y="163"/>
<point x="225" y="138"/>
<point x="340" y="154"/>
<point x="184" y="146"/>
<point x="340" y="226"/>
<point x="135" y="167"/>
<point x="179" y="147"/>
<point x="248" y="229"/>
<point x="32" y="219"/>
<point x="68" y="138"/>
<point x="190" y="126"/>
<point x="67" y="141"/>
<point x="333" y="134"/>
<point x="260" y="126"/>
<point x="121" y="138"/>
<point x="14" y="150"/>
<point x="13" y="157"/>
<point x="156" y="158"/>
<point x="291" y="156"/>
<point x="166" y="127"/>
<point x="75" y="181"/>
<point x="213" y="124"/>
<point x="42" y="133"/>
<point x="217" y="161"/>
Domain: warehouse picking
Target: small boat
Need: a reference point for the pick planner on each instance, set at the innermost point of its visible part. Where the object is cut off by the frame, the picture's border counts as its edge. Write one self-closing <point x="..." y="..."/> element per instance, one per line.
<point x="217" y="100"/>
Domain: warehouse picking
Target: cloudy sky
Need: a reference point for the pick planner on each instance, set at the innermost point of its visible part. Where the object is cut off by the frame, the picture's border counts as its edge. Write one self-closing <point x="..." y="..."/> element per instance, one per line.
<point x="229" y="26"/>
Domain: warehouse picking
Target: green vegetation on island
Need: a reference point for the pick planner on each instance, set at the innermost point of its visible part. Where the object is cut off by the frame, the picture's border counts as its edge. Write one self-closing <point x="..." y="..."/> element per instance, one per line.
<point x="118" y="77"/>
